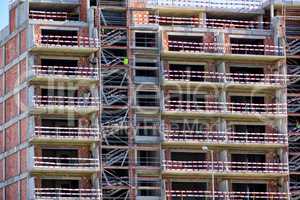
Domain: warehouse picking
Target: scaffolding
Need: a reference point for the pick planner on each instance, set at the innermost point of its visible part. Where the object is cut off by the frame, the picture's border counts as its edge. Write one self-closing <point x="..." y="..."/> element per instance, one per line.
<point x="117" y="150"/>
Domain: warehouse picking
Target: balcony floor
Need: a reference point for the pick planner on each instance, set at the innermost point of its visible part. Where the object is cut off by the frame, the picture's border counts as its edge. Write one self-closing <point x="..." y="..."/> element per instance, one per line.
<point x="228" y="85"/>
<point x="228" y="115"/>
<point x="207" y="174"/>
<point x="199" y="56"/>
<point x="40" y="79"/>
<point x="57" y="109"/>
<point x="66" y="50"/>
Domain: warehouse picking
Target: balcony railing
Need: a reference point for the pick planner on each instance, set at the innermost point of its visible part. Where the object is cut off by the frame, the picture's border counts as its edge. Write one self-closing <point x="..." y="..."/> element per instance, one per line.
<point x="67" y="41"/>
<point x="68" y="71"/>
<point x="218" y="77"/>
<point x="66" y="133"/>
<point x="65" y="193"/>
<point x="198" y="22"/>
<point x="239" y="5"/>
<point x="226" y="195"/>
<point x="219" y="48"/>
<point x="225" y="167"/>
<point x="224" y="137"/>
<point x="65" y="101"/>
<point x="55" y="16"/>
<point x="69" y="163"/>
<point x="219" y="107"/>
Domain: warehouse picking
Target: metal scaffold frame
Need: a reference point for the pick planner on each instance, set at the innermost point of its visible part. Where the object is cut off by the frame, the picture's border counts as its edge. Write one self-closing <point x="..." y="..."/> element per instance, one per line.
<point x="117" y="152"/>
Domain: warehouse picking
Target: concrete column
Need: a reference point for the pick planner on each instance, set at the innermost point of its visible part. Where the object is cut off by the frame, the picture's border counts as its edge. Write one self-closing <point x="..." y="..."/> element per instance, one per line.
<point x="272" y="11"/>
<point x="223" y="186"/>
<point x="224" y="155"/>
<point x="202" y="19"/>
<point x="30" y="63"/>
<point x="220" y="39"/>
<point x="30" y="127"/>
<point x="31" y="187"/>
<point x="30" y="97"/>
<point x="261" y="20"/>
<point x="223" y="98"/>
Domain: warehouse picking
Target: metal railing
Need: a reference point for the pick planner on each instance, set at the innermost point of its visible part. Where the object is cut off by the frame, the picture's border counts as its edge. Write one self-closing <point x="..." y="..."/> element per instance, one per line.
<point x="70" y="163"/>
<point x="222" y="107"/>
<point x="55" y="16"/>
<point x="225" y="167"/>
<point x="218" y="77"/>
<point x="65" y="193"/>
<point x="224" y="137"/>
<point x="65" y="101"/>
<point x="66" y="132"/>
<point x="239" y="5"/>
<point x="227" y="195"/>
<point x="199" y="22"/>
<point x="77" y="71"/>
<point x="67" y="41"/>
<point x="243" y="49"/>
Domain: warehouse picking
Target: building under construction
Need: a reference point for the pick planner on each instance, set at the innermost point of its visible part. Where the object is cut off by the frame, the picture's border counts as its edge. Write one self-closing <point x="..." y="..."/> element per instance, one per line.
<point x="150" y="100"/>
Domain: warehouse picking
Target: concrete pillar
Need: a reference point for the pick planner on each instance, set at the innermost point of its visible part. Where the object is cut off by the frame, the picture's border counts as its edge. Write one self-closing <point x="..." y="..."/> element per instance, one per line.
<point x="224" y="155"/>
<point x="272" y="11"/>
<point x="223" y="186"/>
<point x="220" y="40"/>
<point x="202" y="19"/>
<point x="261" y="20"/>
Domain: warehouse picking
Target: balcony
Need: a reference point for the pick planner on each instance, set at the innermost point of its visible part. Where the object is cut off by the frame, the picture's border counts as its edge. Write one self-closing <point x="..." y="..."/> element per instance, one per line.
<point x="64" y="73"/>
<point x="61" y="104"/>
<point x="67" y="42"/>
<point x="53" y="16"/>
<point x="65" y="134"/>
<point x="231" y="5"/>
<point x="186" y="77"/>
<point x="196" y="195"/>
<point x="69" y="165"/>
<point x="189" y="137"/>
<point x="232" y="51"/>
<point x="66" y="193"/>
<point x="195" y="108"/>
<point x="225" y="168"/>
<point x="195" y="22"/>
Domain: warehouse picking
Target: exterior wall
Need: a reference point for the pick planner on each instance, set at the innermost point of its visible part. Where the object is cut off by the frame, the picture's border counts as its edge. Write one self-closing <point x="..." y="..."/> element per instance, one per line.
<point x="16" y="121"/>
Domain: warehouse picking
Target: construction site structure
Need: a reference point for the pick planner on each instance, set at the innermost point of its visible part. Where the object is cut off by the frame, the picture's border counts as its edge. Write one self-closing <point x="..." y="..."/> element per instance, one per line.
<point x="150" y="100"/>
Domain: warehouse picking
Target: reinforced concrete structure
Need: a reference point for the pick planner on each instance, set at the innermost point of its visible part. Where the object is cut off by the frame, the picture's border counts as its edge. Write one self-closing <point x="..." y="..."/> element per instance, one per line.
<point x="150" y="100"/>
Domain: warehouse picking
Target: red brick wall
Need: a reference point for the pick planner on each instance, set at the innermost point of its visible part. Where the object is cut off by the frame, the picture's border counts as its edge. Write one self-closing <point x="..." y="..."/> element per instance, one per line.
<point x="23" y="100"/>
<point x="11" y="166"/>
<point x="208" y="38"/>
<point x="1" y="141"/>
<point x="11" y="109"/>
<point x="83" y="10"/>
<point x="23" y="160"/>
<point x="23" y="188"/>
<point x="84" y="152"/>
<point x="1" y="170"/>
<point x="1" y="57"/>
<point x="23" y="129"/>
<point x="85" y="183"/>
<point x="1" y="113"/>
<point x="269" y="42"/>
<point x="12" y="20"/>
<point x="11" y="78"/>
<point x="1" y="85"/>
<point x="22" y="71"/>
<point x="23" y="46"/>
<point x="11" y="136"/>
<point x="84" y="32"/>
<point x="11" y="49"/>
<point x="11" y="192"/>
<point x="37" y="33"/>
